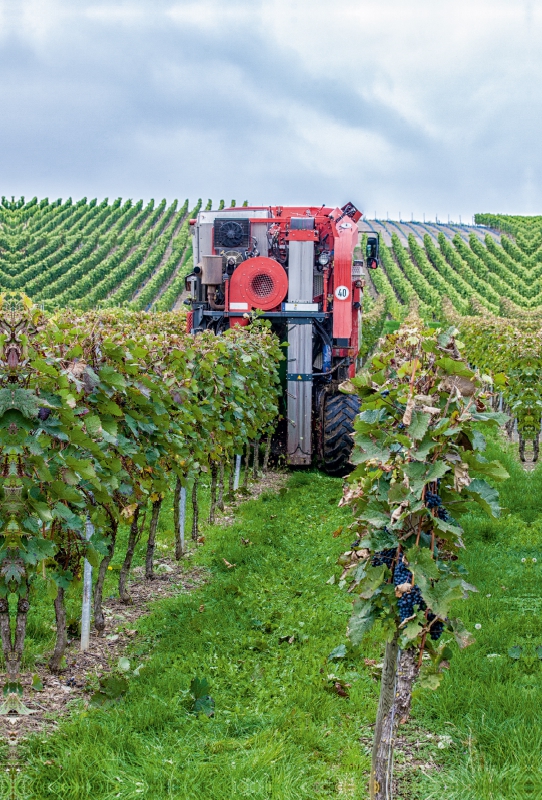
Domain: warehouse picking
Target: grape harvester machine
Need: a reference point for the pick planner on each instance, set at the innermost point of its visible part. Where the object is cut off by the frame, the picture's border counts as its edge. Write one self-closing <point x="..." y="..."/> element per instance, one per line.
<point x="297" y="266"/>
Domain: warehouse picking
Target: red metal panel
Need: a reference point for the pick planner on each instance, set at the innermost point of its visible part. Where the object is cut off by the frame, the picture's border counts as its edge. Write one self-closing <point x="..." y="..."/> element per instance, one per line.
<point x="356" y="322"/>
<point x="189" y="321"/>
<point x="302" y="236"/>
<point x="238" y="322"/>
<point x="346" y="238"/>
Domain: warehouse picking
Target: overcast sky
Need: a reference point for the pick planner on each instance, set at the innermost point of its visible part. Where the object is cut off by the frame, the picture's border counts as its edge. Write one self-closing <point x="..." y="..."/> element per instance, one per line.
<point x="402" y="106"/>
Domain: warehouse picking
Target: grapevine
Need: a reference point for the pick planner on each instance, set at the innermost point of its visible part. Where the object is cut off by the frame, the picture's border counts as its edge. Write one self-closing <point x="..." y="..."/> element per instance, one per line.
<point x="419" y="464"/>
<point x="98" y="413"/>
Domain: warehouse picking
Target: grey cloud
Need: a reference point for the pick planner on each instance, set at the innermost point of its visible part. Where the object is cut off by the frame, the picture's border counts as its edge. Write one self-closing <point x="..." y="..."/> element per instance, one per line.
<point x="224" y="106"/>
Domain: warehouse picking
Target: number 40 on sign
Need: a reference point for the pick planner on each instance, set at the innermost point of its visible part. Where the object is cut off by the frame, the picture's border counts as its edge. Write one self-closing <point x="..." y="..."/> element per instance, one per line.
<point x="342" y="293"/>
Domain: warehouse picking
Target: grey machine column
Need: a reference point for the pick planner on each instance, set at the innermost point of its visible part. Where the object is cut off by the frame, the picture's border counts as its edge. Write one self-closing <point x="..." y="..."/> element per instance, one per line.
<point x="299" y="385"/>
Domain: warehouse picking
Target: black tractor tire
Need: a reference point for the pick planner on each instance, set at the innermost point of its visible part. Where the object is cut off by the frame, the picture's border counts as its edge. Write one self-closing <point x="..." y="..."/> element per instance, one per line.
<point x="338" y="425"/>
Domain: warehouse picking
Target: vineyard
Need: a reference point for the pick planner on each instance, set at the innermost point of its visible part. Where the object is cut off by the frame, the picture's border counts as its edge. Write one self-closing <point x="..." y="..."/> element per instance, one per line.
<point x="89" y="254"/>
<point x="432" y="261"/>
<point x="180" y="620"/>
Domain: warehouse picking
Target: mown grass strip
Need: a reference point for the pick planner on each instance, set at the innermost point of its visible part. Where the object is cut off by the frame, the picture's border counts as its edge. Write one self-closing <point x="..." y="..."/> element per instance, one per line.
<point x="488" y="702"/>
<point x="280" y="729"/>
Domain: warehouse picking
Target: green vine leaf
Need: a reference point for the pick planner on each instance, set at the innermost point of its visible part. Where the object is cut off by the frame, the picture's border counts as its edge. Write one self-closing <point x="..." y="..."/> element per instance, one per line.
<point x="485" y="495"/>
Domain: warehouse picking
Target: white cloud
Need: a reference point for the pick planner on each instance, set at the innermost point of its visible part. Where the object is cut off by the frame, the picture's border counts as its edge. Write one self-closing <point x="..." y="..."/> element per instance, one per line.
<point x="213" y="15"/>
<point x="403" y="103"/>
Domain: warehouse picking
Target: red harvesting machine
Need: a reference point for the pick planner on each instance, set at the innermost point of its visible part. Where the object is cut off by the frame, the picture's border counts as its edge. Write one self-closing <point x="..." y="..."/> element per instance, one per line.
<point x="297" y="266"/>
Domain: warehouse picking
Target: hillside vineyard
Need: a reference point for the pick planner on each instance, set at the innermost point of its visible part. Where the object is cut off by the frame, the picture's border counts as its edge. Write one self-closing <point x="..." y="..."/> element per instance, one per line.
<point x="89" y="254"/>
<point x="125" y="253"/>
<point x="499" y="259"/>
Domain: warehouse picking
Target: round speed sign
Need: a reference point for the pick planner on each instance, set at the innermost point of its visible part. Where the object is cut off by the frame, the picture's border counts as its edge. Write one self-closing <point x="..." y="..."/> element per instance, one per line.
<point x="342" y="293"/>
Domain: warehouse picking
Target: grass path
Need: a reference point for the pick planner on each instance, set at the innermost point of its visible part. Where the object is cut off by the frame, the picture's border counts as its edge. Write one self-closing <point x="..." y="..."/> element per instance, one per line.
<point x="488" y="704"/>
<point x="280" y="729"/>
<point x="260" y="632"/>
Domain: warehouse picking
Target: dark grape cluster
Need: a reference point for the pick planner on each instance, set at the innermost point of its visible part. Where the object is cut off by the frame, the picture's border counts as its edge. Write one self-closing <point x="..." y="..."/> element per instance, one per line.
<point x="437" y="628"/>
<point x="407" y="602"/>
<point x="384" y="557"/>
<point x="432" y="499"/>
<point x="401" y="573"/>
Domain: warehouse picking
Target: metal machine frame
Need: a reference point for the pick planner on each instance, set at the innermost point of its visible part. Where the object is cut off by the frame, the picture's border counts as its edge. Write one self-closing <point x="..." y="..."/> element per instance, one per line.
<point x="294" y="264"/>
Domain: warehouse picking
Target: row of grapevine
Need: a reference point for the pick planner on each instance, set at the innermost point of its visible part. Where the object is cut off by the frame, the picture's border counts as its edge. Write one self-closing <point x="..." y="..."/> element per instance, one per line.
<point x="459" y="269"/>
<point x="176" y="287"/>
<point x="418" y="468"/>
<point x="491" y="292"/>
<point x="165" y="270"/>
<point x="135" y="277"/>
<point x="88" y="253"/>
<point x="144" y="253"/>
<point x="106" y="413"/>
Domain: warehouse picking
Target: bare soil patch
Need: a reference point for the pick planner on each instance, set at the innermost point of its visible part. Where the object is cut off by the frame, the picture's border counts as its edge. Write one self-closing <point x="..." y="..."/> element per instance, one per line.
<point x="83" y="669"/>
<point x="416" y="753"/>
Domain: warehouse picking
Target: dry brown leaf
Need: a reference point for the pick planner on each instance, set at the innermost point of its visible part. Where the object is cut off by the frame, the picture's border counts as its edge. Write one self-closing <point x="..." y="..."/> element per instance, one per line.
<point x="407" y="416"/>
<point x="399" y="510"/>
<point x="128" y="511"/>
<point x="351" y="493"/>
<point x="463" y="385"/>
<point x="461" y="476"/>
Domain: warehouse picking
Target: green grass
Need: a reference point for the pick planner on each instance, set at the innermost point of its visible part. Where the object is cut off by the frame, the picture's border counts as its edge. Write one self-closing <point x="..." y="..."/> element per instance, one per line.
<point x="279" y="730"/>
<point x="488" y="702"/>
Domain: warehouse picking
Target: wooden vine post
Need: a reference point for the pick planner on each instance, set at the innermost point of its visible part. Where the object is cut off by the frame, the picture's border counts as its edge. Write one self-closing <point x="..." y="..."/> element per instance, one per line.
<point x="87" y="591"/>
<point x="418" y="455"/>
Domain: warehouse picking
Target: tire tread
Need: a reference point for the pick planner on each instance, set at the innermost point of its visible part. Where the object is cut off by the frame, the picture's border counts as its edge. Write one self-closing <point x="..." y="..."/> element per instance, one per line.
<point x="340" y="410"/>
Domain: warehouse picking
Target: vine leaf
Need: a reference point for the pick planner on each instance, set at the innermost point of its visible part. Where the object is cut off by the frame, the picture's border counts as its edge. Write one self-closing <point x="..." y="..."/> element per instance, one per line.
<point x="453" y="367"/>
<point x="362" y="620"/>
<point x="373" y="578"/>
<point x="420" y="422"/>
<point x="461" y="634"/>
<point x="337" y="652"/>
<point x="478" y="440"/>
<point x="486" y="496"/>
